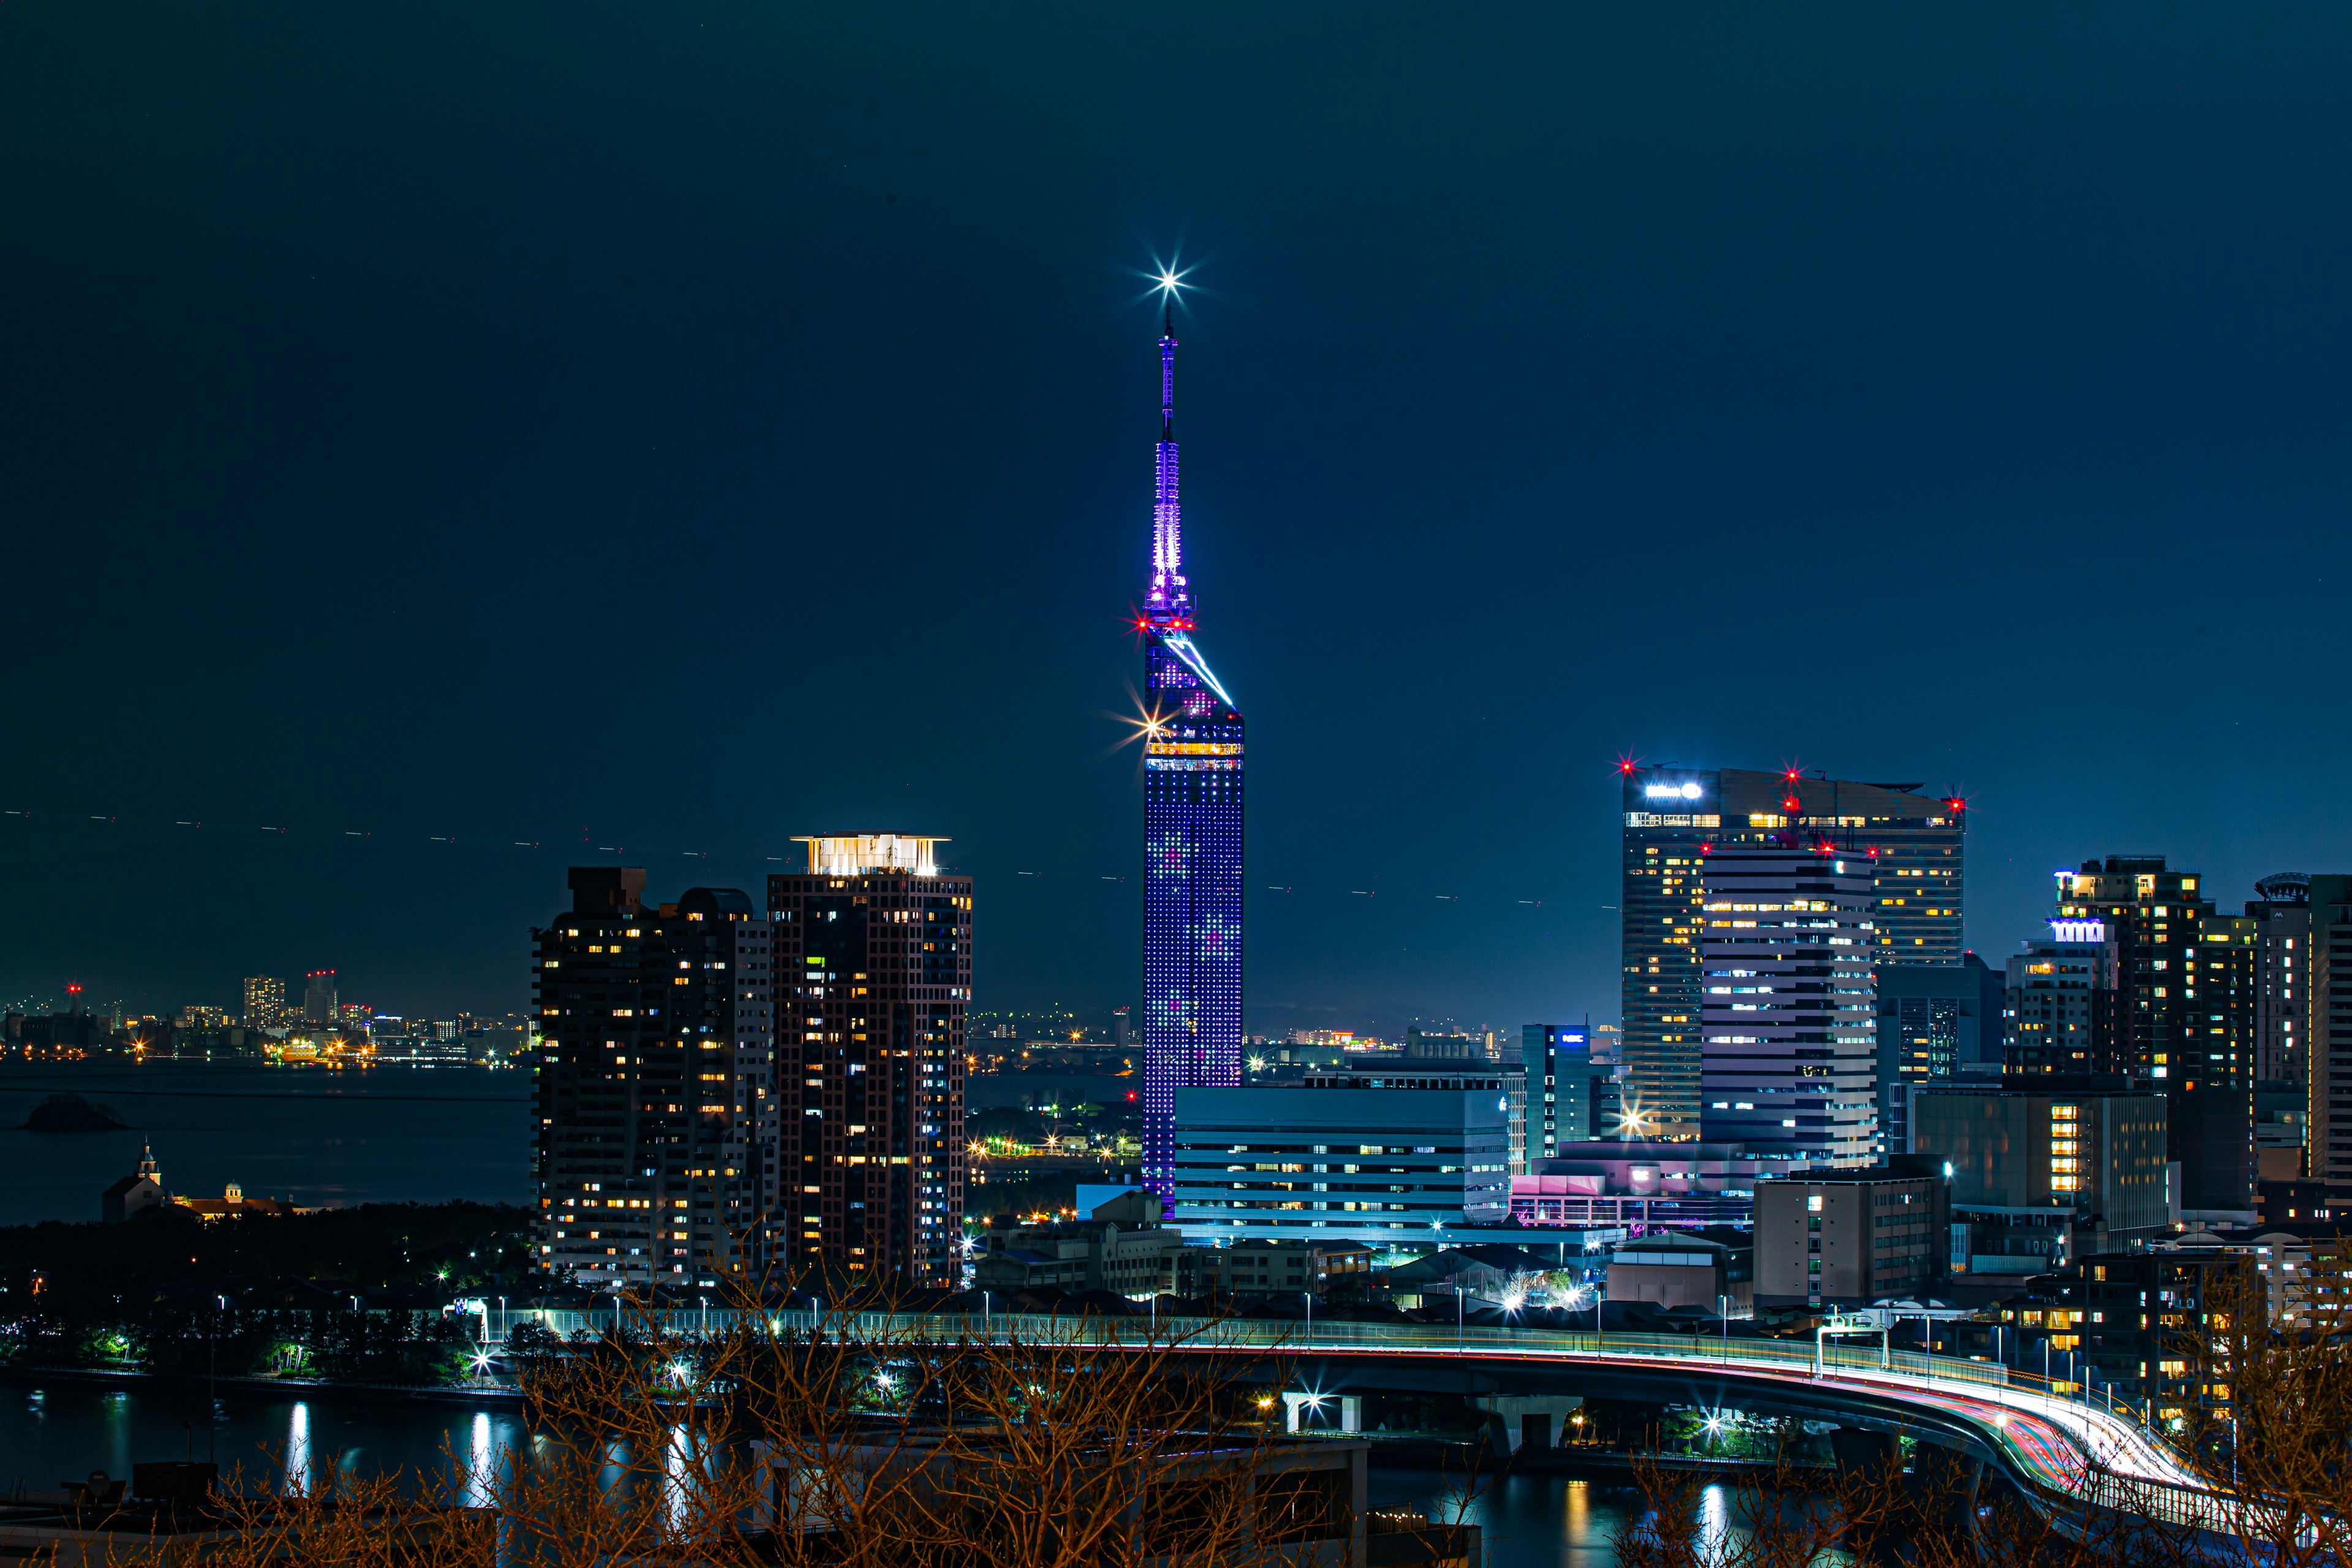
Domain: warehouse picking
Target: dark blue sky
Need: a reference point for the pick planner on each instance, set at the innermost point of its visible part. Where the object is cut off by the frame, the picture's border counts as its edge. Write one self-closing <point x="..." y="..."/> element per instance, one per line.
<point x="685" y="428"/>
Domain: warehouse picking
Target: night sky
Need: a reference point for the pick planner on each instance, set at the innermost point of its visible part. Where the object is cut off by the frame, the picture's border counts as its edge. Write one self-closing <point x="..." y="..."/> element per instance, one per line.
<point x="679" y="428"/>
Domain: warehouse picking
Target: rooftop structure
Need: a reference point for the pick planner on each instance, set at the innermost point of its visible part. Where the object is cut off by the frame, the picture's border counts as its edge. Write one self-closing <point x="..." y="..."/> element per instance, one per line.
<point x="869" y="853"/>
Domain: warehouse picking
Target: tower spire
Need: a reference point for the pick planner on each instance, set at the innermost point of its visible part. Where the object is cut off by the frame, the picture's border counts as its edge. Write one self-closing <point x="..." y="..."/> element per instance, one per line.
<point x="1169" y="604"/>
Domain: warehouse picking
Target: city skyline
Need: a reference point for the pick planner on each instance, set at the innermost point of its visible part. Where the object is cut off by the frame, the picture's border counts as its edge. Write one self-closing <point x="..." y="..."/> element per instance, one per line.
<point x="1516" y="396"/>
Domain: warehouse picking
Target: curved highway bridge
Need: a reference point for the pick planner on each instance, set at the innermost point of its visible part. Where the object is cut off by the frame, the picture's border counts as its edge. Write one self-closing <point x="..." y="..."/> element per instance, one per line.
<point x="2044" y="1439"/>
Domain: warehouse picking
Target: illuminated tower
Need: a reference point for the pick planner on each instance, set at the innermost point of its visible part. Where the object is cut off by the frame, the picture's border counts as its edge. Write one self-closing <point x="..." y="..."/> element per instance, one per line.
<point x="1192" y="834"/>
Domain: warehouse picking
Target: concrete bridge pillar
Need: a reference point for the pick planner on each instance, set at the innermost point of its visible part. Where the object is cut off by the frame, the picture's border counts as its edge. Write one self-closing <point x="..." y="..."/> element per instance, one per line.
<point x="1538" y="1420"/>
<point x="1943" y="1481"/>
<point x="1295" y="1406"/>
<point x="1862" y="1454"/>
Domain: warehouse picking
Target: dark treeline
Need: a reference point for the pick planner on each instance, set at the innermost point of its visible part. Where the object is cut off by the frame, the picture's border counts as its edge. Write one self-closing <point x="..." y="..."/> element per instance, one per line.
<point x="352" y="1294"/>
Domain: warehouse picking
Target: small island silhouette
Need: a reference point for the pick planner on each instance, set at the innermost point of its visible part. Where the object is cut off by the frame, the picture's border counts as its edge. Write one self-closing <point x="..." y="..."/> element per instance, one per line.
<point x="72" y="1113"/>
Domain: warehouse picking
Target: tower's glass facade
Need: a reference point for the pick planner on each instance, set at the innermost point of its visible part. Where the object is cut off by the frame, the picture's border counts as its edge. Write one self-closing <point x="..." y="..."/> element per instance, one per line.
<point x="1192" y="837"/>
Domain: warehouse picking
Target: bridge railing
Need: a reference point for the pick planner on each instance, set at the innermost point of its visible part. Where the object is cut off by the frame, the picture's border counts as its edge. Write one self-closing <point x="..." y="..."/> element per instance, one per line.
<point x="1298" y="1337"/>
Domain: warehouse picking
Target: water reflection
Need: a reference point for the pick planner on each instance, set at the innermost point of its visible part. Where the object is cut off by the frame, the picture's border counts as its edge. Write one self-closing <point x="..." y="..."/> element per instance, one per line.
<point x="675" y="1456"/>
<point x="1714" y="1520"/>
<point x="298" y="1451"/>
<point x="481" y="1472"/>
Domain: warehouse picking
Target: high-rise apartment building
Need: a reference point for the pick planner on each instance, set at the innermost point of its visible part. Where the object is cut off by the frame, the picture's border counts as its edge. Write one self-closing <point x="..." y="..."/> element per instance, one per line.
<point x="2186" y="988"/>
<point x="2065" y="1007"/>
<point x="2328" y="975"/>
<point x="319" y="998"/>
<point x="1911" y="842"/>
<point x="1789" y="1015"/>
<point x="1191" y="832"/>
<point x="656" y="1095"/>
<point x="2281" y="916"/>
<point x="874" y="945"/>
<point x="265" y="1002"/>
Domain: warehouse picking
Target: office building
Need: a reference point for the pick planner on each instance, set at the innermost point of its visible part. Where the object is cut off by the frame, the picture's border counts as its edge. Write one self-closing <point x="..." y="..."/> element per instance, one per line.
<point x="1192" y="831"/>
<point x="2189" y="1014"/>
<point x="1391" y="1158"/>
<point x="1911" y="842"/>
<point x="1936" y="1022"/>
<point x="2064" y="1004"/>
<point x="656" y="1089"/>
<point x="2046" y="1171"/>
<point x="2282" y="918"/>
<point x="874" y="945"/>
<point x="1848" y="1238"/>
<point x="265" y="1002"/>
<point x="319" y="998"/>
<point x="1789" y="1021"/>
<point x="1570" y="1096"/>
<point x="2328" y="970"/>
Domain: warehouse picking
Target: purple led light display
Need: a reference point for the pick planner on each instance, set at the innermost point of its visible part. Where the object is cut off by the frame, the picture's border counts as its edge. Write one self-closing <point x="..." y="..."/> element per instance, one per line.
<point x="1191" y="836"/>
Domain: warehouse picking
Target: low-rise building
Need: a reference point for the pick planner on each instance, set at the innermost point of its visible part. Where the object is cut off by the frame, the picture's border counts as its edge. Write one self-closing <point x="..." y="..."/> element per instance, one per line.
<point x="233" y="1203"/>
<point x="1120" y="1246"/>
<point x="1686" y="1268"/>
<point x="1387" y="1156"/>
<point x="1268" y="1267"/>
<point x="1617" y="1184"/>
<point x="1490" y="1273"/>
<point x="1847" y="1238"/>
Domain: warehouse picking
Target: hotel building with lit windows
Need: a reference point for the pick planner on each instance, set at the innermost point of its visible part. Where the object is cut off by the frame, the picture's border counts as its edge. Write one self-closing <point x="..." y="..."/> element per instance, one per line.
<point x="874" y="954"/>
<point x="1913" y="844"/>
<point x="1789" y="1010"/>
<point x="657" y="1126"/>
<point x="1192" y="841"/>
